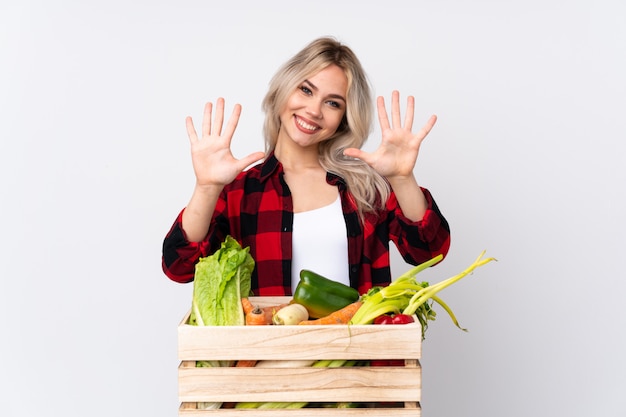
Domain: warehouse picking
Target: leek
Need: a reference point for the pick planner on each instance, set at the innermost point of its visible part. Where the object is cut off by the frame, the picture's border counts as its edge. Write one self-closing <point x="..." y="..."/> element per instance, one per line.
<point x="408" y="296"/>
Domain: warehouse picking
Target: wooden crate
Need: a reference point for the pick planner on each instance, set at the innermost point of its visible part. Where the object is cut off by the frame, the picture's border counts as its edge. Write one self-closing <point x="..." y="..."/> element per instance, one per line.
<point x="388" y="391"/>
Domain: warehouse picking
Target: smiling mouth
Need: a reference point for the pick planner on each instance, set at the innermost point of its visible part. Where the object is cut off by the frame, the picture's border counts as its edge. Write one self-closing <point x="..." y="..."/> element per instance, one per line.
<point x="306" y="126"/>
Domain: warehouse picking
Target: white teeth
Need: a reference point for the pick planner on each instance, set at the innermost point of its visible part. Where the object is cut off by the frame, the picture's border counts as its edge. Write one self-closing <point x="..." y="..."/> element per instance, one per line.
<point x="305" y="125"/>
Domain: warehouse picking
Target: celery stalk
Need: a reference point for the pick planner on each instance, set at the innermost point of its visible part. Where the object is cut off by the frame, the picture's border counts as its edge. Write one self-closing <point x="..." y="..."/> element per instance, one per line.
<point x="448" y="310"/>
<point x="385" y="306"/>
<point x="419" y="268"/>
<point x="422" y="296"/>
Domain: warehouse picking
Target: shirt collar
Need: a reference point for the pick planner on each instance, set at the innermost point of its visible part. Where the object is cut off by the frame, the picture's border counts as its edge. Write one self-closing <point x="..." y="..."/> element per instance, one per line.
<point x="272" y="165"/>
<point x="334" y="179"/>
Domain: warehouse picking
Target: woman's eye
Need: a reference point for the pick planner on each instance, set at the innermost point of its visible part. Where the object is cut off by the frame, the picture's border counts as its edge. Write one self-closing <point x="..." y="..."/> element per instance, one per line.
<point x="305" y="90"/>
<point x="334" y="104"/>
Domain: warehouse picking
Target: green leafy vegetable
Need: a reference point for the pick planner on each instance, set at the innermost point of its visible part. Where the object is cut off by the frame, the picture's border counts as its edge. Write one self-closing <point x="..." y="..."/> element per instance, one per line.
<point x="220" y="281"/>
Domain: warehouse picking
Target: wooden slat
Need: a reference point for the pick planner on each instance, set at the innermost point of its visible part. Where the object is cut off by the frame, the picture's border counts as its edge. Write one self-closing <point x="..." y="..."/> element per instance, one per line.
<point x="297" y="342"/>
<point x="347" y="384"/>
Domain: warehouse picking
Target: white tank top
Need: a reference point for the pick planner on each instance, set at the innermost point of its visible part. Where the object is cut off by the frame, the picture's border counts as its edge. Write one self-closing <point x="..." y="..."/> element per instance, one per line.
<point x="320" y="244"/>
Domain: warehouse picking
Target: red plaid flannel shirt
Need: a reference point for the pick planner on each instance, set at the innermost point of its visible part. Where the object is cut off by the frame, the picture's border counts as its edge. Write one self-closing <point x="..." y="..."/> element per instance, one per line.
<point x="257" y="210"/>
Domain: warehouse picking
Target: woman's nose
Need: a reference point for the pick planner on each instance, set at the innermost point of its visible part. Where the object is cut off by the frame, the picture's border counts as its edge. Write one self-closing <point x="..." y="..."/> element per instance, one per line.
<point x="314" y="108"/>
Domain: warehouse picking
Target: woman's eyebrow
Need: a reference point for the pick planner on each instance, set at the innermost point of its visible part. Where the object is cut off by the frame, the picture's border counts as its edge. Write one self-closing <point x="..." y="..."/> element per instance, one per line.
<point x="314" y="87"/>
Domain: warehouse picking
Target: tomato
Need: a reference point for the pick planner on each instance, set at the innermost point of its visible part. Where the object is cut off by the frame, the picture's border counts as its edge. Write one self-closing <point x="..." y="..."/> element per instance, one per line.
<point x="393" y="319"/>
<point x="401" y="319"/>
<point x="383" y="319"/>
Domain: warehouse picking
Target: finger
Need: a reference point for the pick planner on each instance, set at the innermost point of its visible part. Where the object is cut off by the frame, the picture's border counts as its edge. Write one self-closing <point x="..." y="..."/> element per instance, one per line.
<point x="206" y="119"/>
<point x="250" y="159"/>
<point x="427" y="127"/>
<point x="233" y="121"/>
<point x="191" y="130"/>
<point x="219" y="117"/>
<point x="382" y="114"/>
<point x="355" y="153"/>
<point x="395" y="109"/>
<point x="410" y="112"/>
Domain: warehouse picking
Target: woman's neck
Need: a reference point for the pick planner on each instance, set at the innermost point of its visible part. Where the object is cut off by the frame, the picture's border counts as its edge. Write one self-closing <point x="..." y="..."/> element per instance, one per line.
<point x="296" y="158"/>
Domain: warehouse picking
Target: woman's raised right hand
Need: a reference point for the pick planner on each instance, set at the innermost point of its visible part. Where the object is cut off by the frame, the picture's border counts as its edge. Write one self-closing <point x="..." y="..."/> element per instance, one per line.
<point x="213" y="162"/>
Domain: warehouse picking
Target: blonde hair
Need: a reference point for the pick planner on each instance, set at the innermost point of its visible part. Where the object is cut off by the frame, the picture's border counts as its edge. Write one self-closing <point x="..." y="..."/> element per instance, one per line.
<point x="369" y="189"/>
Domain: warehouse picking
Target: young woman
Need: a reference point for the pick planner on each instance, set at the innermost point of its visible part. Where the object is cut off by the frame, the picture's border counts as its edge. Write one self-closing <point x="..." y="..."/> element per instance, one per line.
<point x="317" y="201"/>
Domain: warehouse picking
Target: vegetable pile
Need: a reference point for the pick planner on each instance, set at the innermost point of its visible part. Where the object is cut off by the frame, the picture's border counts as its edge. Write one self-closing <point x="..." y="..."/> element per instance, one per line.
<point x="220" y="298"/>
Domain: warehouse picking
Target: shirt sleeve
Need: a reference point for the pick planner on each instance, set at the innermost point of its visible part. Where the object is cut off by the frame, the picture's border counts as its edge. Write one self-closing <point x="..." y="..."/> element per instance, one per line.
<point x="179" y="254"/>
<point x="419" y="241"/>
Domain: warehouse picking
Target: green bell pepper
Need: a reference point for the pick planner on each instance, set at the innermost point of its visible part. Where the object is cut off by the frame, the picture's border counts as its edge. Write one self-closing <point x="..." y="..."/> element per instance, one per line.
<point x="322" y="296"/>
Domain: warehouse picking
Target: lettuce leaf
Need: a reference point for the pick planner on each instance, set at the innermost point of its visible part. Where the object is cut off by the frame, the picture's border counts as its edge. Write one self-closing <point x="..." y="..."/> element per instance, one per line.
<point x="220" y="281"/>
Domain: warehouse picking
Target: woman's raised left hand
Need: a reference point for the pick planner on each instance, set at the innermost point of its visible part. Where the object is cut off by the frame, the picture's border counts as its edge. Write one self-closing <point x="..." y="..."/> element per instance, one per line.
<point x="397" y="154"/>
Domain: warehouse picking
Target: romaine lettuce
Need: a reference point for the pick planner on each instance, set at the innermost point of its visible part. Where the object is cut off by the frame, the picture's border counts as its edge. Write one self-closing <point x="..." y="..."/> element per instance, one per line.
<point x="220" y="281"/>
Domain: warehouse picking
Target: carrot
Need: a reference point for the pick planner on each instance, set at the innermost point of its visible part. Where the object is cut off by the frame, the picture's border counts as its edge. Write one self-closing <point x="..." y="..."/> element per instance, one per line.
<point x="269" y="312"/>
<point x="242" y="363"/>
<point x="256" y="318"/>
<point x="342" y="316"/>
<point x="247" y="305"/>
<point x="256" y="315"/>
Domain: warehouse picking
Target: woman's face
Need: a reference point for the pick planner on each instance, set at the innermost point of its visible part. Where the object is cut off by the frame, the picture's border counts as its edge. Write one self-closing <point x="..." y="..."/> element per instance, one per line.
<point x="315" y="109"/>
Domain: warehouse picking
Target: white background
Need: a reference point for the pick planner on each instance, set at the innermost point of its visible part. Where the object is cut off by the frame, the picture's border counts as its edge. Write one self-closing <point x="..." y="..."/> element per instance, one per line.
<point x="526" y="161"/>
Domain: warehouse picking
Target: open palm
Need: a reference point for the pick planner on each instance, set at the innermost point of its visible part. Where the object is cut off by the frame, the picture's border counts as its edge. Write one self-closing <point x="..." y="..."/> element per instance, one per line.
<point x="397" y="154"/>
<point x="211" y="156"/>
